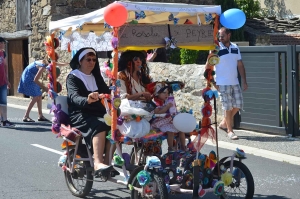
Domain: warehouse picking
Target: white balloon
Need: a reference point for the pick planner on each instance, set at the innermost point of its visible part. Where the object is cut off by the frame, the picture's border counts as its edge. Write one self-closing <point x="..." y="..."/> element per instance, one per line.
<point x="185" y="122"/>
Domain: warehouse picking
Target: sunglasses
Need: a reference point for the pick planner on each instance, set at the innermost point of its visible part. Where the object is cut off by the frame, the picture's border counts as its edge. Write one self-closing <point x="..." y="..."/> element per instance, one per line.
<point x="89" y="59"/>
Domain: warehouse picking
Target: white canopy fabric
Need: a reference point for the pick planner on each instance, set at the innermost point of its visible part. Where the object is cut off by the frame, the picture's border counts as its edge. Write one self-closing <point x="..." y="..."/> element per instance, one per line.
<point x="150" y="8"/>
<point x="83" y="29"/>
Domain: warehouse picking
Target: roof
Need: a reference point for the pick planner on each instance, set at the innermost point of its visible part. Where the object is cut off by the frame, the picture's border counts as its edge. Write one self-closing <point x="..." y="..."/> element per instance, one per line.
<point x="280" y="31"/>
<point x="274" y="25"/>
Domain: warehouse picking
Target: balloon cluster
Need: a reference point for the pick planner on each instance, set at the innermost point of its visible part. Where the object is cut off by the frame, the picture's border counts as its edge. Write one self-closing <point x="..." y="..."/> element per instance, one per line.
<point x="54" y="87"/>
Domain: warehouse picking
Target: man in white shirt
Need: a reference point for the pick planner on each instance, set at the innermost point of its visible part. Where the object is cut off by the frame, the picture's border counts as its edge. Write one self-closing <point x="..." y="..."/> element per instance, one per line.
<point x="227" y="82"/>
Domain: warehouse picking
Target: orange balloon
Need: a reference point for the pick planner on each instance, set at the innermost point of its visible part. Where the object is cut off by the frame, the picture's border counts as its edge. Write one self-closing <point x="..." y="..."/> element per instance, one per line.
<point x="115" y="14"/>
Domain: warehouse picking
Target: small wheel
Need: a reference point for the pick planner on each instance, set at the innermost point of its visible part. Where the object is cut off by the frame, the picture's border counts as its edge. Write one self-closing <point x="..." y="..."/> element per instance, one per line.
<point x="80" y="182"/>
<point x="242" y="185"/>
<point x="161" y="191"/>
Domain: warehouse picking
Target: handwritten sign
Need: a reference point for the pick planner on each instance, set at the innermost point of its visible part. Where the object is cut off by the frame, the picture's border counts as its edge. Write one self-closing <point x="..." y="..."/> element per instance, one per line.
<point x="153" y="35"/>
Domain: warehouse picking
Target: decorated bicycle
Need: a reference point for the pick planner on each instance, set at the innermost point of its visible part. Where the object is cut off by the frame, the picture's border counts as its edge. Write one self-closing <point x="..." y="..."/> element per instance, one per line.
<point x="140" y="26"/>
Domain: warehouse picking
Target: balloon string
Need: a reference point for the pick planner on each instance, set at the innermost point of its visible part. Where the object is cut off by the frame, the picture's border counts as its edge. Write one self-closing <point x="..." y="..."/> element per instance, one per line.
<point x="120" y="35"/>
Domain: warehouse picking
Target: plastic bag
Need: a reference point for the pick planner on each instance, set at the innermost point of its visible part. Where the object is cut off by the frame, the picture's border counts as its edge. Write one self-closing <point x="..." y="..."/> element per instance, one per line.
<point x="129" y="107"/>
<point x="134" y="129"/>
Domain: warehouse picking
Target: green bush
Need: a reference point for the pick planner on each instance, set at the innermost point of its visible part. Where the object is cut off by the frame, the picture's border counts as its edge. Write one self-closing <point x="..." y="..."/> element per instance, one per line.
<point x="188" y="56"/>
<point x="173" y="55"/>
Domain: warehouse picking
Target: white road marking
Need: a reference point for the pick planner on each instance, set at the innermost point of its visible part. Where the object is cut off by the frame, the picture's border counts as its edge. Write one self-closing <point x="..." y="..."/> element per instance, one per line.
<point x="48" y="149"/>
<point x="259" y="152"/>
<point x="25" y="108"/>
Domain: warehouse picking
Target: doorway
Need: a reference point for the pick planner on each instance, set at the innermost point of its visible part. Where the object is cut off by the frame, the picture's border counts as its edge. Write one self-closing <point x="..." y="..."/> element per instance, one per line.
<point x="17" y="62"/>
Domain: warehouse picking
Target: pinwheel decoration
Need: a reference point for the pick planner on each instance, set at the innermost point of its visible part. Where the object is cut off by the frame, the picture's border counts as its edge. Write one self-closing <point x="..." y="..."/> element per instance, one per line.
<point x="171" y="43"/>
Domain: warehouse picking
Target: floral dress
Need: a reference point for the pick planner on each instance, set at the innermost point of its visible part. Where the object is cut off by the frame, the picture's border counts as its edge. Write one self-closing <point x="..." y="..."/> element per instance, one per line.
<point x="164" y="124"/>
<point x="27" y="85"/>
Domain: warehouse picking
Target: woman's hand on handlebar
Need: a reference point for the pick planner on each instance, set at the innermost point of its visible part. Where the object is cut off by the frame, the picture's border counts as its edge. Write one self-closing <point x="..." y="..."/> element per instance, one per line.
<point x="93" y="97"/>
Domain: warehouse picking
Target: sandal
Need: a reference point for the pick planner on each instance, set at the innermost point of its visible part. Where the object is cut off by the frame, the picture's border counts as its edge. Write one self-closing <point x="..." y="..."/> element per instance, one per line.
<point x="43" y="119"/>
<point x="28" y="119"/>
<point x="104" y="171"/>
<point x="232" y="136"/>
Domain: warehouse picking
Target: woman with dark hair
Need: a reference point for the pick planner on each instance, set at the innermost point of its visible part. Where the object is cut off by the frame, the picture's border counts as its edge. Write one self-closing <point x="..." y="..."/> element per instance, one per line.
<point x="134" y="76"/>
<point x="85" y="86"/>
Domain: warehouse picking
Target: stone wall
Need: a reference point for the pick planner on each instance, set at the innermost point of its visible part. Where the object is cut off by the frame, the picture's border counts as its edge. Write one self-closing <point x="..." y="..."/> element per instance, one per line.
<point x="191" y="75"/>
<point x="40" y="18"/>
<point x="8" y="16"/>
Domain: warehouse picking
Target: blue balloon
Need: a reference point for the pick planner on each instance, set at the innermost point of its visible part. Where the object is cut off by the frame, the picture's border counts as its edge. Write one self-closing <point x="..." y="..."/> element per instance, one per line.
<point x="233" y="18"/>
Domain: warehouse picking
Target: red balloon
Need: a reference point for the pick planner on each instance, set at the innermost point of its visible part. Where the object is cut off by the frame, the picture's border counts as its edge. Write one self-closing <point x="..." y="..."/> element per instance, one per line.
<point x="115" y="14"/>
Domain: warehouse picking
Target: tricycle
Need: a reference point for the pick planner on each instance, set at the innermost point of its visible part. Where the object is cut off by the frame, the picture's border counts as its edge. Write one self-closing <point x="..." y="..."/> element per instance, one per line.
<point x="152" y="173"/>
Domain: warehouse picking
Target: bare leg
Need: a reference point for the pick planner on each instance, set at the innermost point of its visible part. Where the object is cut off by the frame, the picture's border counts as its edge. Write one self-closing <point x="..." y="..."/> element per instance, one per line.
<point x="39" y="106"/>
<point x="107" y="151"/>
<point x="229" y="118"/>
<point x="223" y="123"/>
<point x="170" y="139"/>
<point x="182" y="141"/>
<point x="30" y="105"/>
<point x="3" y="113"/>
<point x="98" y="147"/>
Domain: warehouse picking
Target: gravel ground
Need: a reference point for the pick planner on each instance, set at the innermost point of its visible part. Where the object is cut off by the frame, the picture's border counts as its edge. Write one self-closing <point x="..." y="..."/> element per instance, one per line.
<point x="275" y="143"/>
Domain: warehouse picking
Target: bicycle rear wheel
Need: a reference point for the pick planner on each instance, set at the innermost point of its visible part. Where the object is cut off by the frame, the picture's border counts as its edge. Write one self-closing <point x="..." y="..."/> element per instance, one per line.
<point x="80" y="182"/>
<point x="242" y="185"/>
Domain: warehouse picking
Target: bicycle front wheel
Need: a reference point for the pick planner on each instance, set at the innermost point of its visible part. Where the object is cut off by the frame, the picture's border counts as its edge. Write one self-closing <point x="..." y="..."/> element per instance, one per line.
<point x="157" y="186"/>
<point x="242" y="185"/>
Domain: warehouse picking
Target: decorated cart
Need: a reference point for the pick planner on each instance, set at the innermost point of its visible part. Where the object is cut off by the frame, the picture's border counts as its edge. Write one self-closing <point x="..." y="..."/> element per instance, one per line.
<point x="125" y="25"/>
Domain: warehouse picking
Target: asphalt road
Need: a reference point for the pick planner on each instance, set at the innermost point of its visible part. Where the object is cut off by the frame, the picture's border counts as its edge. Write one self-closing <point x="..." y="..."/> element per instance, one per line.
<point x="30" y="172"/>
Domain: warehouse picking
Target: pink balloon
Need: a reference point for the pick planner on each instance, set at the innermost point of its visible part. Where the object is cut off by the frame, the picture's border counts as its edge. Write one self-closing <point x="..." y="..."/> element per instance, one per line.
<point x="115" y="14"/>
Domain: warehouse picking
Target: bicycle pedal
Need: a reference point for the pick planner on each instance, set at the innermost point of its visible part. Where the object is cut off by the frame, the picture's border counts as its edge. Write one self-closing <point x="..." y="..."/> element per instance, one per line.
<point x="114" y="173"/>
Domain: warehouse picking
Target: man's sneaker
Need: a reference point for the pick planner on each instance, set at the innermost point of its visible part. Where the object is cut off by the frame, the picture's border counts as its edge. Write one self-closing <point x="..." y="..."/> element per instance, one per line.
<point x="7" y="124"/>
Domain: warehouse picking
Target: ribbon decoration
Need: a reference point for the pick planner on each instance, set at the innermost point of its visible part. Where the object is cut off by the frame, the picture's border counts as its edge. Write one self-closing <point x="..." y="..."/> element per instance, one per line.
<point x="206" y="130"/>
<point x="172" y="18"/>
<point x="79" y="26"/>
<point x="208" y="18"/>
<point x="51" y="45"/>
<point x="106" y="25"/>
<point x="115" y="42"/>
<point x="114" y="72"/>
<point x="140" y="15"/>
<point x="61" y="34"/>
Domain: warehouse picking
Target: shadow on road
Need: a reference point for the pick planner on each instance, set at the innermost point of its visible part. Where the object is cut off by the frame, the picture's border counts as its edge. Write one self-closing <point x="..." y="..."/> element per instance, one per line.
<point x="269" y="196"/>
<point x="33" y="126"/>
<point x="108" y="194"/>
<point x="267" y="139"/>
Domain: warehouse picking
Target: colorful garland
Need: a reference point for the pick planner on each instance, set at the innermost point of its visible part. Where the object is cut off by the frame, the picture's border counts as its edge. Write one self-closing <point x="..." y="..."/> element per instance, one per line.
<point x="54" y="87"/>
<point x="207" y="94"/>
